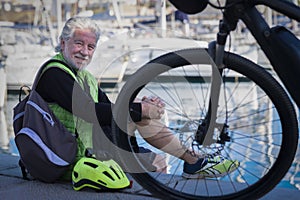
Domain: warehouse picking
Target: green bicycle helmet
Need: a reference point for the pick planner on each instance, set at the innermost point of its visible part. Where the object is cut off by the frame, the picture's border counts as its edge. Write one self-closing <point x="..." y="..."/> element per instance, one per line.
<point x="90" y="172"/>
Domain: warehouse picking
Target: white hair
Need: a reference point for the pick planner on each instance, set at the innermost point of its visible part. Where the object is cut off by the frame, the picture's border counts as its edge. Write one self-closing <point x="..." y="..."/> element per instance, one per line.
<point x="77" y="23"/>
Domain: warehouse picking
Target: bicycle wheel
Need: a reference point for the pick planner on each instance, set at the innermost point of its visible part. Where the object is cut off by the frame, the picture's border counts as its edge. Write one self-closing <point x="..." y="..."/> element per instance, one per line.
<point x="255" y="116"/>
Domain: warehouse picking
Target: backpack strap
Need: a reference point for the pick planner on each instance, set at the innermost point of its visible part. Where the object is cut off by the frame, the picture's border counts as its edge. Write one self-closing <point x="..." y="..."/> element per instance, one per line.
<point x="25" y="88"/>
<point x="24" y="171"/>
<point x="39" y="73"/>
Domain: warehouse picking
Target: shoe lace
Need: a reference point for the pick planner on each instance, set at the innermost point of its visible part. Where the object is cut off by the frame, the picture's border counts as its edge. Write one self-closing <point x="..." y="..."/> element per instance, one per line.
<point x="214" y="159"/>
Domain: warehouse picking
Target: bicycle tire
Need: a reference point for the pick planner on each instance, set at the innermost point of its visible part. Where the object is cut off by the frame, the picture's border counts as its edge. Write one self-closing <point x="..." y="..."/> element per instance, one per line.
<point x="246" y="182"/>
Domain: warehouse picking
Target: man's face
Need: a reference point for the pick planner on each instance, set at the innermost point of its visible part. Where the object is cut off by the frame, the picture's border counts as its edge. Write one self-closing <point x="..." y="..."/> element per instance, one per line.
<point x="79" y="49"/>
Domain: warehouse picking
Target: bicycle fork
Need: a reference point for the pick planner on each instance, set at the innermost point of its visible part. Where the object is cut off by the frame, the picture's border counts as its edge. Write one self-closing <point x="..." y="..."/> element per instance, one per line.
<point x="205" y="132"/>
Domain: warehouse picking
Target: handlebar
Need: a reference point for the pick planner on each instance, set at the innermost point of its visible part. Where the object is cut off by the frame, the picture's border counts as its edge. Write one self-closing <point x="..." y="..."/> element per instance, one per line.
<point x="287" y="8"/>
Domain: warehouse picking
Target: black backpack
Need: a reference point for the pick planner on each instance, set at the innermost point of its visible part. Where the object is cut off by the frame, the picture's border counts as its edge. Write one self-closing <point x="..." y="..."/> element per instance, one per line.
<point x="47" y="149"/>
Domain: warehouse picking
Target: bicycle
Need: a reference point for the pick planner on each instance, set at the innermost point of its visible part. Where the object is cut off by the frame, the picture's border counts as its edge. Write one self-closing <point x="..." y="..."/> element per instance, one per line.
<point x="240" y="110"/>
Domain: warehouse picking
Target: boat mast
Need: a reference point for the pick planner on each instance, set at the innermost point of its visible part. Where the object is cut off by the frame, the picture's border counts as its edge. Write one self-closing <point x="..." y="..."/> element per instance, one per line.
<point x="117" y="13"/>
<point x="49" y="25"/>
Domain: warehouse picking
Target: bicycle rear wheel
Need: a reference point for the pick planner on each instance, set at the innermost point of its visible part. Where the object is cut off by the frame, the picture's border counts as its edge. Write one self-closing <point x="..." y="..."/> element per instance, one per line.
<point x="253" y="109"/>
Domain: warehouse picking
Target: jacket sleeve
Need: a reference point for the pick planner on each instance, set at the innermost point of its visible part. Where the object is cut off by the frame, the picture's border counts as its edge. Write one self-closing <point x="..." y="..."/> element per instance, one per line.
<point x="135" y="108"/>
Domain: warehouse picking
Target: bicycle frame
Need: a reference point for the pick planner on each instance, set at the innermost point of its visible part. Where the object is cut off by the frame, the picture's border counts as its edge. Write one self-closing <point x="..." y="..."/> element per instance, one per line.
<point x="286" y="62"/>
<point x="262" y="32"/>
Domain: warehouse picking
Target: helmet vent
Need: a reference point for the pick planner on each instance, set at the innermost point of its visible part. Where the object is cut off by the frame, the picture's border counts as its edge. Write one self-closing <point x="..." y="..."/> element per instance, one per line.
<point x="75" y="174"/>
<point x="115" y="172"/>
<point x="91" y="164"/>
<point x="108" y="175"/>
<point x="121" y="171"/>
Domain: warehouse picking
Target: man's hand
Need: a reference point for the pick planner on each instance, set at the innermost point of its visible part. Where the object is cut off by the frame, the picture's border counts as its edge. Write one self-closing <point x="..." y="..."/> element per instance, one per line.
<point x="152" y="107"/>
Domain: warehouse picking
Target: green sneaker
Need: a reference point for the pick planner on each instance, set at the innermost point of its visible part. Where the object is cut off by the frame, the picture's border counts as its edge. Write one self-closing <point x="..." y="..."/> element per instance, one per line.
<point x="215" y="167"/>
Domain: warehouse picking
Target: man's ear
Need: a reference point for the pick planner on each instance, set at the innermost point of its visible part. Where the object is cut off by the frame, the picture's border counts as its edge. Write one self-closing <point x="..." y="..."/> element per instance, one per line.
<point x="62" y="44"/>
